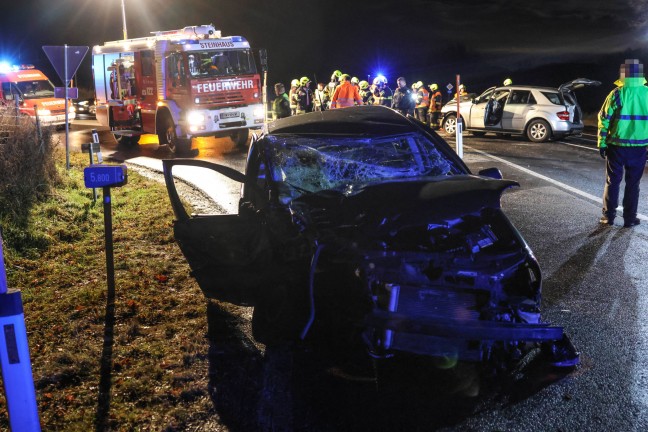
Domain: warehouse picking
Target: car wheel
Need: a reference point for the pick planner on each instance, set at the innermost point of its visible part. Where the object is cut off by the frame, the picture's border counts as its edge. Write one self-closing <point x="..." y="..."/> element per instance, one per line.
<point x="538" y="131"/>
<point x="450" y="124"/>
<point x="127" y="141"/>
<point x="167" y="135"/>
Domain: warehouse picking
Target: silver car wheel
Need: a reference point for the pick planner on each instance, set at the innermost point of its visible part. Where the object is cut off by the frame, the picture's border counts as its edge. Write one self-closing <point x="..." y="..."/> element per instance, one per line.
<point x="538" y="131"/>
<point x="450" y="124"/>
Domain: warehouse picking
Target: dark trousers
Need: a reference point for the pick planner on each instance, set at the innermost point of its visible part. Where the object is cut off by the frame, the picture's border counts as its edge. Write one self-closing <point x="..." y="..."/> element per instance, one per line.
<point x="632" y="160"/>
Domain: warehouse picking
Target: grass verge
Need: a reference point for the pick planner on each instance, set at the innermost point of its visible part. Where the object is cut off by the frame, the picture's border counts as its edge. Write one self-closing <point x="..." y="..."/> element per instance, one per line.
<point x="158" y="367"/>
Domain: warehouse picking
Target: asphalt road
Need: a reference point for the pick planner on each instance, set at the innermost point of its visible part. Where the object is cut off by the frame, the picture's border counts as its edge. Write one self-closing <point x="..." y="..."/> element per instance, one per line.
<point x="595" y="286"/>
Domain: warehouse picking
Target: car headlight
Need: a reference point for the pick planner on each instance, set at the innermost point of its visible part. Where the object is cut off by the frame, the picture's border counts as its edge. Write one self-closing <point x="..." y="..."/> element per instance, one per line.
<point x="195" y="118"/>
<point x="71" y="109"/>
<point x="44" y="112"/>
<point x="258" y="112"/>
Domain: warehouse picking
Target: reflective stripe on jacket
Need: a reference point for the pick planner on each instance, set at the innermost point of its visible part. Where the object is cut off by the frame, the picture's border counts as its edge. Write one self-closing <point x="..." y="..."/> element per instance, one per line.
<point x="623" y="119"/>
<point x="423" y="98"/>
<point x="436" y="102"/>
<point x="346" y="94"/>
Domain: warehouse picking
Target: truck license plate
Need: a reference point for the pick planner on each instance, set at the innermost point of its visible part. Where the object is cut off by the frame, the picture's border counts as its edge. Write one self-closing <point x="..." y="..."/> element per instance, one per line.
<point x="228" y="115"/>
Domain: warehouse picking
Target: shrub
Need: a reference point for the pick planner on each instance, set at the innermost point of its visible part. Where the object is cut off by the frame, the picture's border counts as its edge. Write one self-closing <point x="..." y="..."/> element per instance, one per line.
<point x="27" y="167"/>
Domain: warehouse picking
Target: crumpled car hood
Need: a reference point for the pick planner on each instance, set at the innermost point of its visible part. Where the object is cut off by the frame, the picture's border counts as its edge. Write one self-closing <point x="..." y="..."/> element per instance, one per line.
<point x="434" y="198"/>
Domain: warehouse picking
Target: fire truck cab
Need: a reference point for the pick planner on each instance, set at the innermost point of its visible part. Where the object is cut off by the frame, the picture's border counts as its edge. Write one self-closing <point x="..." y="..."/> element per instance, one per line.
<point x="178" y="84"/>
<point x="32" y="92"/>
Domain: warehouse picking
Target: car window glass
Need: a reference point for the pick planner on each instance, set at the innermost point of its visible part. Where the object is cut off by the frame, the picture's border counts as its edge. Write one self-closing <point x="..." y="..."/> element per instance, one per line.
<point x="554" y="98"/>
<point x="301" y="165"/>
<point x="485" y="96"/>
<point x="532" y="99"/>
<point x="501" y="95"/>
<point x="519" y="97"/>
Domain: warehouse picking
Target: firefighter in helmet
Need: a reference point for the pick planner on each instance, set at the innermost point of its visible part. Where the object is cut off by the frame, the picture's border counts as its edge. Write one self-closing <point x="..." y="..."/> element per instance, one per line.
<point x="304" y="96"/>
<point x="331" y="86"/>
<point x="436" y="103"/>
<point x="382" y="94"/>
<point x="422" y="97"/>
<point x="365" y="92"/>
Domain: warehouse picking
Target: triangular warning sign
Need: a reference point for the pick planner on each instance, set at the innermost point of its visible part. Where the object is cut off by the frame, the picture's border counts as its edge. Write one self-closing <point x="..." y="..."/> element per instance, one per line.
<point x="57" y="56"/>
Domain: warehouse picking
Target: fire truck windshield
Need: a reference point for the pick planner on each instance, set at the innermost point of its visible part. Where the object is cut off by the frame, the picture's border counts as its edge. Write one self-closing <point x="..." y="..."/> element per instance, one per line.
<point x="40" y="89"/>
<point x="221" y="63"/>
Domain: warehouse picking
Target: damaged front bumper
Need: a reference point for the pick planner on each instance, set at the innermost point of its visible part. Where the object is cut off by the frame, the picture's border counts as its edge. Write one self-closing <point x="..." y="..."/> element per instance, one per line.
<point x="469" y="340"/>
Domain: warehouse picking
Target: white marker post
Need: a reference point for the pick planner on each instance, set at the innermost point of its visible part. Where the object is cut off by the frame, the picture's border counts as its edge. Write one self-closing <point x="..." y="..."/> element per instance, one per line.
<point x="14" y="358"/>
<point x="459" y="128"/>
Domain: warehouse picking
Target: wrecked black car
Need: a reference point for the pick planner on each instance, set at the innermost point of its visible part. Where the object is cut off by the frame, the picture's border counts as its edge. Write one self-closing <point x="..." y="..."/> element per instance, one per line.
<point x="360" y="226"/>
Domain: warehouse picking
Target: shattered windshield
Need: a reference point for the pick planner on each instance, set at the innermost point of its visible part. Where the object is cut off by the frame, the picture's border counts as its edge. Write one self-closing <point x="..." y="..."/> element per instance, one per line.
<point x="300" y="165"/>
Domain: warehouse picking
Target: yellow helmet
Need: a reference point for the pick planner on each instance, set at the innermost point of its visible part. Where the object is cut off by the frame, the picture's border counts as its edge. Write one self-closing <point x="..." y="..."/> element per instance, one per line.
<point x="355" y="80"/>
<point x="508" y="81"/>
<point x="336" y="74"/>
<point x="434" y="87"/>
<point x="294" y="83"/>
<point x="418" y="84"/>
<point x="304" y="81"/>
<point x="363" y="84"/>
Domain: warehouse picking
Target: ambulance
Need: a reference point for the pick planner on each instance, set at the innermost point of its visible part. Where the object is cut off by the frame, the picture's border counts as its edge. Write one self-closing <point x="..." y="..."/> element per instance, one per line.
<point x="32" y="92"/>
<point x="178" y="84"/>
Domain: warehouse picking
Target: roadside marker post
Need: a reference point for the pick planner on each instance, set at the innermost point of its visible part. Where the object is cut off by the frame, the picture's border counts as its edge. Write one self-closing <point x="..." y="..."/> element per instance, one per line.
<point x="14" y="359"/>
<point x="106" y="177"/>
<point x="459" y="128"/>
<point x="92" y="148"/>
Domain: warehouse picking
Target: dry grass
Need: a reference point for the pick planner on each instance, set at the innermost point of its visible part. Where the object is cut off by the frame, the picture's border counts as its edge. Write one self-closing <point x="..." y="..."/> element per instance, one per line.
<point x="158" y="367"/>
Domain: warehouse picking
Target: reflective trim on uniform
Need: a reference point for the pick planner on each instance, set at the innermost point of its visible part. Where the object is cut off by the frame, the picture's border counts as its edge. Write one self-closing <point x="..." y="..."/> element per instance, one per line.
<point x="617" y="98"/>
<point x="633" y="117"/>
<point x="621" y="141"/>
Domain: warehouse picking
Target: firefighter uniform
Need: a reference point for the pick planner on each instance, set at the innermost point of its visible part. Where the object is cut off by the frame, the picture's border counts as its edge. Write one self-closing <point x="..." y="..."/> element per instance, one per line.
<point x="422" y="102"/>
<point x="382" y="94"/>
<point x="436" y="103"/>
<point x="403" y="101"/>
<point x="346" y="94"/>
<point x="304" y="96"/>
<point x="622" y="141"/>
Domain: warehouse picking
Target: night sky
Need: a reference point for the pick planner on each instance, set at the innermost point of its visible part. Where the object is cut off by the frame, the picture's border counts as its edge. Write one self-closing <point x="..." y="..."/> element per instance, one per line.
<point x="484" y="41"/>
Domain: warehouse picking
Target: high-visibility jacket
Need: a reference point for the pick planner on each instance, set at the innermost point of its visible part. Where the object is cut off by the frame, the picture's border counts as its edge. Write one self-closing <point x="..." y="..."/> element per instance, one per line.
<point x="623" y="119"/>
<point x="346" y="95"/>
<point x="423" y="98"/>
<point x="436" y="101"/>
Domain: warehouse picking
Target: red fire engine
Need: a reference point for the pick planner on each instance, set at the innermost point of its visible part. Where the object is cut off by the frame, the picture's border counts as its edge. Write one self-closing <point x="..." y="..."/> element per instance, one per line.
<point x="32" y="91"/>
<point x="178" y="84"/>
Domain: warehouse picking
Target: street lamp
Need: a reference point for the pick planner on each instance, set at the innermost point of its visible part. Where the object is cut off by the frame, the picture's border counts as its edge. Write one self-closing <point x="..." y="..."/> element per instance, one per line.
<point x="124" y="20"/>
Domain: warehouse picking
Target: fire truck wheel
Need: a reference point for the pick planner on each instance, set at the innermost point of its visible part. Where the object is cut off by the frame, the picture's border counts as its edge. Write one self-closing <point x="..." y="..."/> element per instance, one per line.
<point x="240" y="137"/>
<point x="127" y="141"/>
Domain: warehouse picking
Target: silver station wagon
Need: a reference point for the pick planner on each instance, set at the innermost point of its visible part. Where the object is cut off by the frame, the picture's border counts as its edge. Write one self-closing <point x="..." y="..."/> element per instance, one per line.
<point x="540" y="113"/>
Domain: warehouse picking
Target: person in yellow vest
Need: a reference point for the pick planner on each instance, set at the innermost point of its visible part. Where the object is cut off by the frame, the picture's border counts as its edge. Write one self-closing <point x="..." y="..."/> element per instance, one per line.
<point x="422" y="102"/>
<point x="346" y="94"/>
<point x="622" y="142"/>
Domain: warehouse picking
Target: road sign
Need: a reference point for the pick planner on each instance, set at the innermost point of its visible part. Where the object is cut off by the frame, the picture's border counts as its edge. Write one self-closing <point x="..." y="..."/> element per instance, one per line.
<point x="59" y="55"/>
<point x="449" y="87"/>
<point x="72" y="92"/>
<point x="96" y="176"/>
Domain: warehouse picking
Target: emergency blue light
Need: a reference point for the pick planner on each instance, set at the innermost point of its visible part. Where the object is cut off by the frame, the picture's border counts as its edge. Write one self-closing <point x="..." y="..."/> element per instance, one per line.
<point x="96" y="176"/>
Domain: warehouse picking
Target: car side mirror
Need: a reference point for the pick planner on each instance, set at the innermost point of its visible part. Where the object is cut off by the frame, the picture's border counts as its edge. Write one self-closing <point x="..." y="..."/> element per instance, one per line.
<point x="493" y="173"/>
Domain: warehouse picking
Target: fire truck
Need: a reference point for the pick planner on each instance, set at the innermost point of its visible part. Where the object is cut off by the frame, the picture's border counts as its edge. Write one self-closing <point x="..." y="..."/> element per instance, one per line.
<point x="31" y="91"/>
<point x="178" y="84"/>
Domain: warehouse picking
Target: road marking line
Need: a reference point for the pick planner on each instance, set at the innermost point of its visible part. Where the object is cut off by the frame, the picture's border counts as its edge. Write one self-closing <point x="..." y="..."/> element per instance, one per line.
<point x="576" y="145"/>
<point x="550" y="180"/>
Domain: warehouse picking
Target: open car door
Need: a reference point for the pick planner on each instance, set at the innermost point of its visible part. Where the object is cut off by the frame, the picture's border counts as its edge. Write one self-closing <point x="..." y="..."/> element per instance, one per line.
<point x="229" y="254"/>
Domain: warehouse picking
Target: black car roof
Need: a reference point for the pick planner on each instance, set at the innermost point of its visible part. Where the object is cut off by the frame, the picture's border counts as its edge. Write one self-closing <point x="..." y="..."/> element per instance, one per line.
<point x="359" y="120"/>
